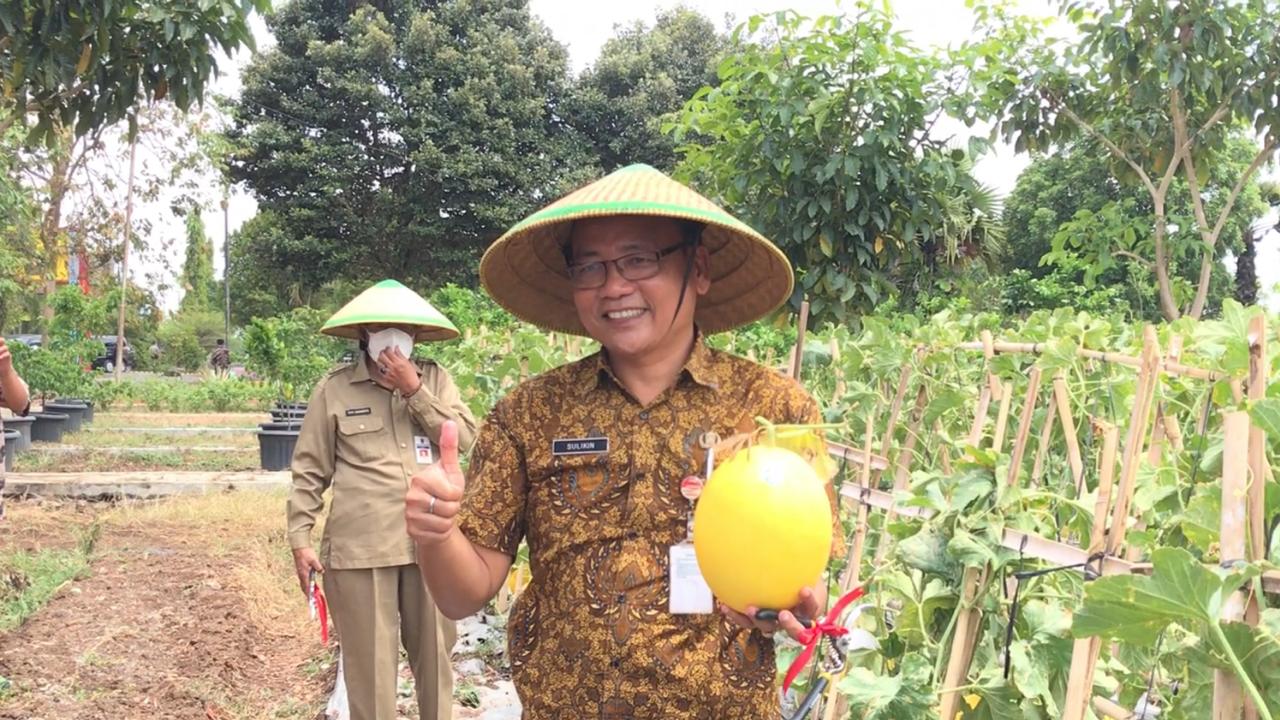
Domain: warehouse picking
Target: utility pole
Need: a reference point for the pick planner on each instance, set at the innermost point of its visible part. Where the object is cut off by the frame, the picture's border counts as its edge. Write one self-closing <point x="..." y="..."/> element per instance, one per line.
<point x="124" y="259"/>
<point x="226" y="270"/>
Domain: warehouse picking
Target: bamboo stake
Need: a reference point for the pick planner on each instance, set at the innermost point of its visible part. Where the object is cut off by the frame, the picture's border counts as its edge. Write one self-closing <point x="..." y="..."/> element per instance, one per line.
<point x="985" y="395"/>
<point x="1063" y="400"/>
<point x="1084" y="654"/>
<point x="1046" y="433"/>
<point x="1002" y="415"/>
<point x="944" y="454"/>
<point x="1024" y="425"/>
<point x="797" y="356"/>
<point x="1259" y="371"/>
<point x="902" y="472"/>
<point x="966" y="636"/>
<point x="841" y="388"/>
<point x="1139" y="419"/>
<point x="1228" y="695"/>
<point x="1108" y="709"/>
<point x="1168" y="368"/>
<point x="853" y="564"/>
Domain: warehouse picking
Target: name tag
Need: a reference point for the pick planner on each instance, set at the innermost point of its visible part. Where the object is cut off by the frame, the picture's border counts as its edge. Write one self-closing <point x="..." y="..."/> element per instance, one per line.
<point x="689" y="592"/>
<point x="422" y="449"/>
<point x="353" y="412"/>
<point x="580" y="446"/>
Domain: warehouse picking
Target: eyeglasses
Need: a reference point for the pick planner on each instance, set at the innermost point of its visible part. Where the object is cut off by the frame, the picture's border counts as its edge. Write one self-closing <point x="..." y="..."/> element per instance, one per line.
<point x="633" y="267"/>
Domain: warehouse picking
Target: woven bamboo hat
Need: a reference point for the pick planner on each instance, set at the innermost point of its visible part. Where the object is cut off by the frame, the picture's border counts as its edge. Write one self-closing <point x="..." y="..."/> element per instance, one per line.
<point x="390" y="303"/>
<point x="524" y="270"/>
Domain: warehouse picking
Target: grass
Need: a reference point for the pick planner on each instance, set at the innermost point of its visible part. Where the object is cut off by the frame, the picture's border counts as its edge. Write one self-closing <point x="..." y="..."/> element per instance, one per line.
<point x="30" y="578"/>
<point x="143" y="418"/>
<point x="111" y="438"/>
<point x="136" y="459"/>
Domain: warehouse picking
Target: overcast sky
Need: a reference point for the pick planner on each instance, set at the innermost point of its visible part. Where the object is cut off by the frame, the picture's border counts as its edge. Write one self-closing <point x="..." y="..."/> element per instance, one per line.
<point x="584" y="26"/>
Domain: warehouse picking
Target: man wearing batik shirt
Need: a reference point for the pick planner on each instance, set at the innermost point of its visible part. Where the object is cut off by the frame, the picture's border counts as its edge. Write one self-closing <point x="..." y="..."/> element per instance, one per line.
<point x="13" y="395"/>
<point x="586" y="462"/>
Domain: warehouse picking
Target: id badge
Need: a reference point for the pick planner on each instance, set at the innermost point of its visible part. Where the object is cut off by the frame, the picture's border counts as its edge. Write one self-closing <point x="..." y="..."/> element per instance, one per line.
<point x="422" y="449"/>
<point x="689" y="592"/>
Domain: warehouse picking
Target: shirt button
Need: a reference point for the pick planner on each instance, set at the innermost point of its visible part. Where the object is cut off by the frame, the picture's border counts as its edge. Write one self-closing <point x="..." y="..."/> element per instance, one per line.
<point x="622" y="598"/>
<point x="403" y="445"/>
<point x="644" y="414"/>
<point x="362" y="427"/>
<point x="615" y="663"/>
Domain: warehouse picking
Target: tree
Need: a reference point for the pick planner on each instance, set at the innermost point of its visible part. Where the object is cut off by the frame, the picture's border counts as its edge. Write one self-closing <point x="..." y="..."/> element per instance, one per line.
<point x="1246" y="289"/>
<point x="1161" y="86"/>
<point x="19" y="229"/>
<point x="399" y="138"/>
<point x="84" y="64"/>
<point x="197" y="270"/>
<point x="1067" y="212"/>
<point x="821" y="136"/>
<point x="644" y="75"/>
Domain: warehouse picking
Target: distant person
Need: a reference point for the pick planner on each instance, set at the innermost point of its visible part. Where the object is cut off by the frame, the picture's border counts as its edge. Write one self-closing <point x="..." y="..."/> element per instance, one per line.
<point x="13" y="395"/>
<point x="220" y="358"/>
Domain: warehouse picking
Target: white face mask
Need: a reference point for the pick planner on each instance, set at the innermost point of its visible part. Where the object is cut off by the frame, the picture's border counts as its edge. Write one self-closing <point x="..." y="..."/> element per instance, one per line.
<point x="389" y="338"/>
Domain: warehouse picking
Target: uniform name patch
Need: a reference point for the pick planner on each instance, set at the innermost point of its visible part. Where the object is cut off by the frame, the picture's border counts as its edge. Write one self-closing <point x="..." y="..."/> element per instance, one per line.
<point x="580" y="446"/>
<point x="353" y="412"/>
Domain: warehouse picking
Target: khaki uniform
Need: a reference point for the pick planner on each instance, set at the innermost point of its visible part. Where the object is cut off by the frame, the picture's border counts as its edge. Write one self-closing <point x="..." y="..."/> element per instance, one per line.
<point x="365" y="442"/>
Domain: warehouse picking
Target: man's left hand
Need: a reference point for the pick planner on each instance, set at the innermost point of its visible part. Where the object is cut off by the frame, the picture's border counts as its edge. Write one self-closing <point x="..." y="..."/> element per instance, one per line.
<point x="788" y="620"/>
<point x="399" y="371"/>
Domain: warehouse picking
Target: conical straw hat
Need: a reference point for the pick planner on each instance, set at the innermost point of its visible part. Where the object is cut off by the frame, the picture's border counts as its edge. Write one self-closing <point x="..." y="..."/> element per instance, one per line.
<point x="390" y="302"/>
<point x="524" y="270"/>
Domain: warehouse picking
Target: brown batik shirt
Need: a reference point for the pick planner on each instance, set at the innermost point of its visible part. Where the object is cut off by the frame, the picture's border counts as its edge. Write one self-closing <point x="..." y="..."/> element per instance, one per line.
<point x="592" y="635"/>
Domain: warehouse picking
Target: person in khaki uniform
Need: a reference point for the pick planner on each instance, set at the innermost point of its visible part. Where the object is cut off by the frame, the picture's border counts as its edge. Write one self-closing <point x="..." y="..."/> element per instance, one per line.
<point x="370" y="426"/>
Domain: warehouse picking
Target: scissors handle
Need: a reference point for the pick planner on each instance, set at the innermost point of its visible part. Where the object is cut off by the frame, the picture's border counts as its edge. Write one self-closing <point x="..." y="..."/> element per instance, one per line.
<point x="772" y="616"/>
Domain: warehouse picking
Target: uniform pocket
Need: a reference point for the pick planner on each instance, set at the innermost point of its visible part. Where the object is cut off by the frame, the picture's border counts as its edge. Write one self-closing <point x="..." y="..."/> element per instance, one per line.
<point x="360" y="440"/>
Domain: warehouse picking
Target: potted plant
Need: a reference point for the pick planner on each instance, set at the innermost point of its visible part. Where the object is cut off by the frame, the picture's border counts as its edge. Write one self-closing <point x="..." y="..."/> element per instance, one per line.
<point x="49" y="373"/>
<point x="287" y="351"/>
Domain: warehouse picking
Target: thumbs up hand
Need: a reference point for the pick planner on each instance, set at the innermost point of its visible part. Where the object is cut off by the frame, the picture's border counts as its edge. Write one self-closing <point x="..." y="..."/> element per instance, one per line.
<point x="435" y="495"/>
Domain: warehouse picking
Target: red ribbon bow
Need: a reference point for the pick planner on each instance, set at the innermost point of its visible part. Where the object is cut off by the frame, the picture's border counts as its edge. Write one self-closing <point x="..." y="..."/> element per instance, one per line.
<point x="811" y="636"/>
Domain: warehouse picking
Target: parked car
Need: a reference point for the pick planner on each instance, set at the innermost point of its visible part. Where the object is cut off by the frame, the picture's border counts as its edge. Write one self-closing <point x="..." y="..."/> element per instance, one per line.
<point x="107" y="360"/>
<point x="31" y="341"/>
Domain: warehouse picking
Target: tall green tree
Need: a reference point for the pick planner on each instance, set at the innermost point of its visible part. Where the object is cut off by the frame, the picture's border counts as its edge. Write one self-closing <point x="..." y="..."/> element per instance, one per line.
<point x="643" y="76"/>
<point x="397" y="139"/>
<point x="197" y="270"/>
<point x="821" y="135"/>
<point x="1068" y="216"/>
<point x="1161" y="86"/>
<point x="19" y="229"/>
<point x="83" y="64"/>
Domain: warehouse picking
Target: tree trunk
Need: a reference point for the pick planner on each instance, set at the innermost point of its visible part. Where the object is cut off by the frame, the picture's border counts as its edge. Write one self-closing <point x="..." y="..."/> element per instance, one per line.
<point x="51" y="224"/>
<point x="1247" y="270"/>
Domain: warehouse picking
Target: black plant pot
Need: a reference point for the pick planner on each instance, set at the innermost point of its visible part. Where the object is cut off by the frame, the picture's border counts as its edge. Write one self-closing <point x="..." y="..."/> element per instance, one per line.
<point x="281" y="415"/>
<point x="10" y="448"/>
<point x="88" y="413"/>
<point x="23" y="425"/>
<point x="48" y="426"/>
<point x="275" y="448"/>
<point x="73" y="410"/>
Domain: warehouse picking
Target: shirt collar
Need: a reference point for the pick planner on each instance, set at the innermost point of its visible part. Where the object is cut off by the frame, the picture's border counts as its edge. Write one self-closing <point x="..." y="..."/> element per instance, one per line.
<point x="699" y="367"/>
